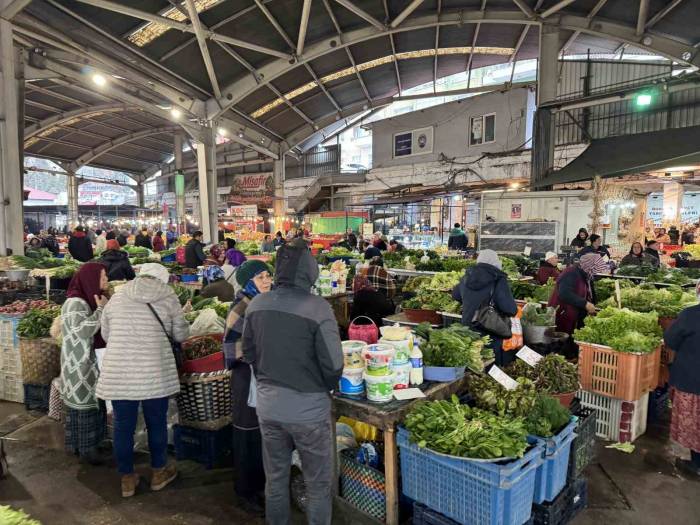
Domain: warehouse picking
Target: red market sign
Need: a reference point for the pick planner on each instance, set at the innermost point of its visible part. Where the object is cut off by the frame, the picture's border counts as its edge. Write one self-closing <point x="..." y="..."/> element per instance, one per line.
<point x="252" y="189"/>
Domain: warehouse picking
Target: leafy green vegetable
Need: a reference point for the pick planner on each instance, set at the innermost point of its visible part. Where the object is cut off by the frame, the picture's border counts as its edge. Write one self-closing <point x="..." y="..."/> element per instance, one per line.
<point x="669" y="276"/>
<point x="10" y="516"/>
<point x="199" y="304"/>
<point x="509" y="267"/>
<point x="442" y="282"/>
<point x="414" y="283"/>
<point x="183" y="293"/>
<point x="667" y="302"/>
<point x="429" y="300"/>
<point x="553" y="374"/>
<point x="37" y="323"/>
<point x="455" y="346"/>
<point x="547" y="417"/>
<point x="248" y="247"/>
<point x="491" y="396"/>
<point x="522" y="289"/>
<point x="458" y="430"/>
<point x="635" y="270"/>
<point x="605" y="288"/>
<point x="525" y="265"/>
<point x="622" y="330"/>
<point x="536" y="315"/>
<point x="136" y="251"/>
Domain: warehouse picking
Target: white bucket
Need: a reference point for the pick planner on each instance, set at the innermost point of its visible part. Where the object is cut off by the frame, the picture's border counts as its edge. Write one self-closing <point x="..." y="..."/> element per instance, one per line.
<point x="402" y="375"/>
<point x="352" y="354"/>
<point x="378" y="359"/>
<point x="352" y="381"/>
<point x="403" y="348"/>
<point x="380" y="389"/>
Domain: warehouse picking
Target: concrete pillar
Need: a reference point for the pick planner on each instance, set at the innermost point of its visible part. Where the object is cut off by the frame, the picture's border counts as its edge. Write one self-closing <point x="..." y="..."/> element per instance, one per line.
<point x="179" y="184"/>
<point x="208" y="185"/>
<point x="141" y="195"/>
<point x="73" y="192"/>
<point x="279" y="205"/>
<point x="11" y="144"/>
<point x="673" y="202"/>
<point x="548" y="63"/>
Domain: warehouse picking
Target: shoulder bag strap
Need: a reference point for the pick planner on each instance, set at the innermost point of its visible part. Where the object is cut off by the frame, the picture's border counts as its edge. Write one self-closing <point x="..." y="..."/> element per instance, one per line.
<point x="150" y="307"/>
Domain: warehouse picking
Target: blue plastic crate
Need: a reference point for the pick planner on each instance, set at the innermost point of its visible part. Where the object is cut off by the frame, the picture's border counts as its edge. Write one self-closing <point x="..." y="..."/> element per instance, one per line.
<point x="443" y="374"/>
<point x="189" y="278"/>
<point x="212" y="448"/>
<point x="468" y="491"/>
<point x="551" y="475"/>
<point x="169" y="258"/>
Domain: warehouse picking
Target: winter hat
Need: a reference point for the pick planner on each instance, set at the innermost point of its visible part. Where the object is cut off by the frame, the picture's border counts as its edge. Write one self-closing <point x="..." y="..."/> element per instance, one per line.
<point x="549" y="255"/>
<point x="489" y="257"/>
<point x="250" y="269"/>
<point x="112" y="244"/>
<point x="155" y="270"/>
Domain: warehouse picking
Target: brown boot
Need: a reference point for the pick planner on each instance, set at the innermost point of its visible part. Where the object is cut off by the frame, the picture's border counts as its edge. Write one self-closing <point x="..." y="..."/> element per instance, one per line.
<point x="163" y="476"/>
<point x="129" y="484"/>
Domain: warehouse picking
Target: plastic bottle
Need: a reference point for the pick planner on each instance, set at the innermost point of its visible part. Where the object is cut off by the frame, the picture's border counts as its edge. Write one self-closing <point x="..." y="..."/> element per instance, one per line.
<point x="416" y="376"/>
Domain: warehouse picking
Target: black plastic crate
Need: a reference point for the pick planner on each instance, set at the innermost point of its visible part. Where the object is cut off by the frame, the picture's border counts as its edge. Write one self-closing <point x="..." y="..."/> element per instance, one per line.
<point x="212" y="448"/>
<point x="565" y="507"/>
<point x="36" y="397"/>
<point x="422" y="515"/>
<point x="583" y="445"/>
<point x="658" y="405"/>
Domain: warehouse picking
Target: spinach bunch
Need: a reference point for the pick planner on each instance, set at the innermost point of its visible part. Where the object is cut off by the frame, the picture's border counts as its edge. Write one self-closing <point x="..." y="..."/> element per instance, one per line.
<point x="547" y="418"/>
<point x="536" y="315"/>
<point x="553" y="374"/>
<point x="450" y="428"/>
<point x="490" y="395"/>
<point x="37" y="323"/>
<point x="455" y="346"/>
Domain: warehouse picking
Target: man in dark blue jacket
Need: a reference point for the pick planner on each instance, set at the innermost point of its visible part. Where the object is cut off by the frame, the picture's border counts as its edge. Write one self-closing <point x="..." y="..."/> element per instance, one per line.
<point x="479" y="284"/>
<point x="683" y="337"/>
<point x="291" y="338"/>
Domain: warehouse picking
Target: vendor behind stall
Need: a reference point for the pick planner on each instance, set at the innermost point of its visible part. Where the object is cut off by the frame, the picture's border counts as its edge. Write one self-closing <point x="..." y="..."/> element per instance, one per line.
<point x="484" y="282"/>
<point x="595" y="246"/>
<point x="396" y="246"/>
<point x="548" y="268"/>
<point x="579" y="241"/>
<point x="637" y="257"/>
<point x="79" y="246"/>
<point x="652" y="252"/>
<point x="370" y="251"/>
<point x="194" y="251"/>
<point x="458" y="240"/>
<point x="370" y="302"/>
<point x="574" y="295"/>
<point x="379" y="278"/>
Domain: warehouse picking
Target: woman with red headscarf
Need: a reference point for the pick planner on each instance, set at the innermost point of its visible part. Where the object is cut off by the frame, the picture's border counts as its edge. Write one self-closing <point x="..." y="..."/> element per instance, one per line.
<point x="80" y="328"/>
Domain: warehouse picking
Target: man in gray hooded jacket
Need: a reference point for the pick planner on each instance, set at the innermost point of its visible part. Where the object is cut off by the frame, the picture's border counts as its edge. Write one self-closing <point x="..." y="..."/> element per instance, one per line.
<point x="291" y="338"/>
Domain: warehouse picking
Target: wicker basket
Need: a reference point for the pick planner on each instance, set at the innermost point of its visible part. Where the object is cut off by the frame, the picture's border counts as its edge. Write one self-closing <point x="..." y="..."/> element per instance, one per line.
<point x="204" y="401"/>
<point x="41" y="360"/>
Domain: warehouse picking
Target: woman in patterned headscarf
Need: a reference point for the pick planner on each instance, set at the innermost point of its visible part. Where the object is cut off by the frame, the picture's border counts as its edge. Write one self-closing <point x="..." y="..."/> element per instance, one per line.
<point x="217" y="285"/>
<point x="574" y="295"/>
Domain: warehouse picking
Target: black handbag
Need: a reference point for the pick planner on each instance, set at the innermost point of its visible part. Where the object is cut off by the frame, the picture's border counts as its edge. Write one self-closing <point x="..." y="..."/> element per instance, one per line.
<point x="490" y="320"/>
<point x="177" y="350"/>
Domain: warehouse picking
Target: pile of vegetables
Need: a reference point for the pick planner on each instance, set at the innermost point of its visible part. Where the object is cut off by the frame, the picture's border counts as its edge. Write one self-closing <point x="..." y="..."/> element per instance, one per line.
<point x="431" y="300"/>
<point x="136" y="251"/>
<point x="635" y="270"/>
<point x="605" y="288"/>
<point x="669" y="276"/>
<point x="22" y="307"/>
<point x="183" y="293"/>
<point x="248" y="247"/>
<point x="144" y="260"/>
<point x="166" y="253"/>
<point x="552" y="374"/>
<point x="65" y="272"/>
<point x="37" y="322"/>
<point x="10" y="516"/>
<point x="199" y="347"/>
<point x="525" y="265"/>
<point x="536" y="315"/>
<point x="693" y="273"/>
<point x="543" y="415"/>
<point x="413" y="284"/>
<point x="454" y="346"/>
<point x="622" y="330"/>
<point x="441" y="282"/>
<point x="339" y="251"/>
<point x="41" y="259"/>
<point x="693" y="250"/>
<point x="200" y="303"/>
<point x="523" y="289"/>
<point x="510" y="268"/>
<point x="667" y="302"/>
<point x="450" y="428"/>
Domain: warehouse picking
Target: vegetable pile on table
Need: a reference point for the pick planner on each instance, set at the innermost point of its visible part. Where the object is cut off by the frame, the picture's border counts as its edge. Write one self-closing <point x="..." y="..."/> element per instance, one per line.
<point x="552" y="374"/>
<point x="39" y="259"/>
<point x="136" y="251"/>
<point x="202" y="346"/>
<point x="523" y="289"/>
<point x="428" y="300"/>
<point x="441" y="282"/>
<point x="37" y="322"/>
<point x="668" y="302"/>
<point x="450" y="428"/>
<point x="635" y="270"/>
<point x="669" y="276"/>
<point x="22" y="307"/>
<point x="525" y="265"/>
<point x="248" y="247"/>
<point x="605" y="288"/>
<point x="454" y="346"/>
<point x="413" y="284"/>
<point x="622" y="330"/>
<point x="183" y="293"/>
<point x="536" y="315"/>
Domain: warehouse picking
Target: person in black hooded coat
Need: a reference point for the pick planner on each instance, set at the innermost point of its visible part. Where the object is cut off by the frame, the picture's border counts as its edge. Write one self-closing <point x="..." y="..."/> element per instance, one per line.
<point x="478" y="284"/>
<point x="117" y="263"/>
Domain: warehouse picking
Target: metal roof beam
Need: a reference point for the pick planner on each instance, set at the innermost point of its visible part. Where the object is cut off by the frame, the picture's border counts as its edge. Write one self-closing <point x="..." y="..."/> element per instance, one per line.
<point x="107" y="147"/>
<point x="322" y="86"/>
<point x="70" y="115"/>
<point x="661" y="14"/>
<point x="243" y="87"/>
<point x="181" y="26"/>
<point x="303" y="26"/>
<point x="415" y="4"/>
<point x="556" y="8"/>
<point x="291" y="106"/>
<point x="264" y="145"/>
<point x="642" y="17"/>
<point x="14" y="7"/>
<point x="518" y="44"/>
<point x="201" y="40"/>
<point x="526" y="9"/>
<point x="575" y="34"/>
<point x="271" y="18"/>
<point x="347" y="4"/>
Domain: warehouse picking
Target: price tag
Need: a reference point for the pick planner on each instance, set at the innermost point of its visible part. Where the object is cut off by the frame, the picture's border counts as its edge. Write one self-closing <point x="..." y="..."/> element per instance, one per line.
<point x="618" y="295"/>
<point x="504" y="379"/>
<point x="527" y="251"/>
<point x="528" y="355"/>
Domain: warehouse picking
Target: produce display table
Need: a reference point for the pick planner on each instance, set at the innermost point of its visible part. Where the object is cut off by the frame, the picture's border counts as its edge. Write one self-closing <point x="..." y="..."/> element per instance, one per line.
<point x="409" y="273"/>
<point x="386" y="416"/>
<point x="402" y="320"/>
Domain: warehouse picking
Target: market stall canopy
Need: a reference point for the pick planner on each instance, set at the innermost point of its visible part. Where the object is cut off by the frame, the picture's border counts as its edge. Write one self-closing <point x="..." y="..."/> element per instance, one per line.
<point x="630" y="154"/>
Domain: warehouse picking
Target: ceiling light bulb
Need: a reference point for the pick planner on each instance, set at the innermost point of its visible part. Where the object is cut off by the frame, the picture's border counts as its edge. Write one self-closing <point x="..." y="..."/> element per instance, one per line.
<point x="99" y="79"/>
<point x="176" y="113"/>
<point x="222" y="132"/>
<point x="240" y="134"/>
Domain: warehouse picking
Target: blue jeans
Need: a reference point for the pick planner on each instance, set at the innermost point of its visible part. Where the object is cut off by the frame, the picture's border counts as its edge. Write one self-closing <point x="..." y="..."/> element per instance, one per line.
<point x="155" y="413"/>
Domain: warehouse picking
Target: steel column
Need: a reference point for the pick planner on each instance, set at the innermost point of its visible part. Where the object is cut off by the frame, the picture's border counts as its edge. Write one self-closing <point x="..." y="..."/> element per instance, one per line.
<point x="72" y="190"/>
<point x="11" y="131"/>
<point x="206" y="164"/>
<point x="278" y="173"/>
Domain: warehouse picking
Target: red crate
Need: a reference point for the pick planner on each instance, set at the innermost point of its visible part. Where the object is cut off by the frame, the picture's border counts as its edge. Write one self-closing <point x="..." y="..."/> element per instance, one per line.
<point x="619" y="375"/>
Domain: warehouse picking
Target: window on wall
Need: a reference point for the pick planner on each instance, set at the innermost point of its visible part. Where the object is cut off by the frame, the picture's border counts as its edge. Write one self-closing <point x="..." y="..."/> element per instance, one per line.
<point x="482" y="129"/>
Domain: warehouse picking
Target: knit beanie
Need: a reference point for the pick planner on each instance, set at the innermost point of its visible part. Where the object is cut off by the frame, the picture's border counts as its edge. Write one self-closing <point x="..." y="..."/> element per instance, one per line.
<point x="250" y="269"/>
<point x="112" y="244"/>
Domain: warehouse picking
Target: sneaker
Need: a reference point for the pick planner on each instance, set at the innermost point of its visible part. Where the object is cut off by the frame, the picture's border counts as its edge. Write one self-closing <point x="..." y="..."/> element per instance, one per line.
<point x="688" y="468"/>
<point x="129" y="484"/>
<point x="162" y="477"/>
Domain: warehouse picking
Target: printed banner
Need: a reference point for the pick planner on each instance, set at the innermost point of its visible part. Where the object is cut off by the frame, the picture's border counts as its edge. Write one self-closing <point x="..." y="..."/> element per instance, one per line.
<point x="255" y="189"/>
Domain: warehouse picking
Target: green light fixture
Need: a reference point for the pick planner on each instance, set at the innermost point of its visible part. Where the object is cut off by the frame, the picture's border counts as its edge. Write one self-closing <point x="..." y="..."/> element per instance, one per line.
<point x="643" y="100"/>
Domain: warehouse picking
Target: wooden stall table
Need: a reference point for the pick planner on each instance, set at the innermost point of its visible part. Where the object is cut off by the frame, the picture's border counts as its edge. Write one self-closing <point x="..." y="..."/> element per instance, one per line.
<point x="402" y="320"/>
<point x="385" y="416"/>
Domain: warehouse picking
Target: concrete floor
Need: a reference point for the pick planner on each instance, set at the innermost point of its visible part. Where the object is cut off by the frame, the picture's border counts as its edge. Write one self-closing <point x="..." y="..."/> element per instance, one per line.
<point x="636" y="489"/>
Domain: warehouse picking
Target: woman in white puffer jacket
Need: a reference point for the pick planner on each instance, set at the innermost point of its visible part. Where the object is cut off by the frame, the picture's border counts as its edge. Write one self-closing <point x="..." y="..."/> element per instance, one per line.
<point x="139" y="368"/>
